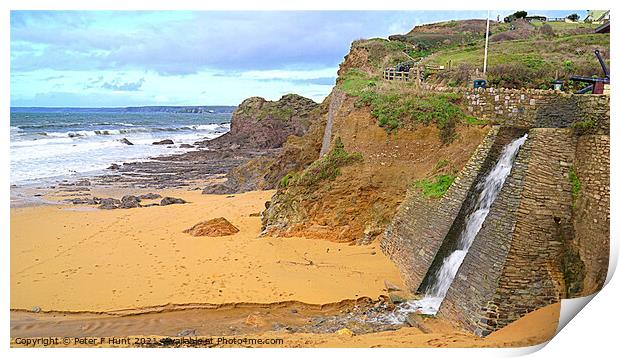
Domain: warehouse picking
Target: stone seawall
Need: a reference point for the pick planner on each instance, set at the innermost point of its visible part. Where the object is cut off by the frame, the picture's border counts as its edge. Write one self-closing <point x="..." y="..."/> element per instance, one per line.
<point x="547" y="234"/>
<point x="591" y="209"/>
<point x="420" y="225"/>
<point x="532" y="108"/>
<point x="520" y="250"/>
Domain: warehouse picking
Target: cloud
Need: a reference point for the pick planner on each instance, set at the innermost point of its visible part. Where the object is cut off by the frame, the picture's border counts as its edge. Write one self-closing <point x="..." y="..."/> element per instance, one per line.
<point x="230" y="41"/>
<point x="51" y="78"/>
<point x="117" y="85"/>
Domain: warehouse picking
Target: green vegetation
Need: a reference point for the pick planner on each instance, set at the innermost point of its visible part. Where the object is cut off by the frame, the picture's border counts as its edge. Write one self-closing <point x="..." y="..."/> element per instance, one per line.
<point x="575" y="184"/>
<point x="441" y="163"/>
<point x="274" y="112"/>
<point x="436" y="187"/>
<point x="585" y="126"/>
<point x="325" y="168"/>
<point x="394" y="109"/>
<point x="532" y="62"/>
<point x="355" y="81"/>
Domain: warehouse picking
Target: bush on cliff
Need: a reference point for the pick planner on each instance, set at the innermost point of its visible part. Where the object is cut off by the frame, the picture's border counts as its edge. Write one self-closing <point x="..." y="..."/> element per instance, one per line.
<point x="325" y="168"/>
<point x="436" y="187"/>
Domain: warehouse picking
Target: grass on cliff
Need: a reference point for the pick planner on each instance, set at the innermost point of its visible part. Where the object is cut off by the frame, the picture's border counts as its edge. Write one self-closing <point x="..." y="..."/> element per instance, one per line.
<point x="325" y="168"/>
<point x="435" y="187"/>
<point x="575" y="184"/>
<point x="395" y="108"/>
<point x="532" y="63"/>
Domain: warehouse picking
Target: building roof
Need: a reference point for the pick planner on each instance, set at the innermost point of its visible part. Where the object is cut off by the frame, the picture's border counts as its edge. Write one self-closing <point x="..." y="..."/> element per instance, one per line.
<point x="596" y="15"/>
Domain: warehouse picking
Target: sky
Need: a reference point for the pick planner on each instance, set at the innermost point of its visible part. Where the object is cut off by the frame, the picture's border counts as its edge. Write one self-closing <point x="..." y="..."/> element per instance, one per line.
<point x="128" y="58"/>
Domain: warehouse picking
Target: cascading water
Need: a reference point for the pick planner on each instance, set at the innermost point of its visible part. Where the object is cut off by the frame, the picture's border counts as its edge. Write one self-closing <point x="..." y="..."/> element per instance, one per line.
<point x="489" y="189"/>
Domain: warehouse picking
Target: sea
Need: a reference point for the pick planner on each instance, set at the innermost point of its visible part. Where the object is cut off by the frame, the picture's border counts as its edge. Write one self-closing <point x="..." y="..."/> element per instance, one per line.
<point x="52" y="145"/>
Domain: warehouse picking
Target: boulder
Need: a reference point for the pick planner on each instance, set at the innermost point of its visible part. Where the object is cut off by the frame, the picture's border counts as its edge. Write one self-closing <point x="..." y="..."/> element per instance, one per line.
<point x="109" y="203"/>
<point x="129" y="201"/>
<point x="213" y="228"/>
<point x="164" y="142"/>
<point x="170" y="200"/>
<point x="185" y="145"/>
<point x="114" y="166"/>
<point x="149" y="196"/>
<point x="345" y="332"/>
<point x="396" y="299"/>
<point x="390" y="287"/>
<point x="125" y="141"/>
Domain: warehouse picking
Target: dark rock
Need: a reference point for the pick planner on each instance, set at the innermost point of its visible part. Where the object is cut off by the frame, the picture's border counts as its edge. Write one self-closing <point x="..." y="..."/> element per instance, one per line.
<point x="149" y="205"/>
<point x="129" y="201"/>
<point x="390" y="287"/>
<point x="187" y="332"/>
<point x="170" y="200"/>
<point x="267" y="204"/>
<point x="114" y="166"/>
<point x="396" y="299"/>
<point x="164" y="142"/>
<point x="125" y="141"/>
<point x="109" y="203"/>
<point x="149" y="196"/>
<point x="185" y="145"/>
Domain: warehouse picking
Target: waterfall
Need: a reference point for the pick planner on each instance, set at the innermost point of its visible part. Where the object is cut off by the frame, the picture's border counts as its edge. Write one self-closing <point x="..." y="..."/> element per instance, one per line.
<point x="489" y="189"/>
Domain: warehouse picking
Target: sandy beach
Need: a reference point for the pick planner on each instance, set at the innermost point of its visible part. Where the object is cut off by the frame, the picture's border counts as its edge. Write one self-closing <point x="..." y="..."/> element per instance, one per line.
<point x="134" y="272"/>
<point x="77" y="258"/>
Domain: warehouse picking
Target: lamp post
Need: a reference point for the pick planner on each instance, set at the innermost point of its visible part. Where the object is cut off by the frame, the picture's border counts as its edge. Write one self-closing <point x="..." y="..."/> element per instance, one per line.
<point x="486" y="43"/>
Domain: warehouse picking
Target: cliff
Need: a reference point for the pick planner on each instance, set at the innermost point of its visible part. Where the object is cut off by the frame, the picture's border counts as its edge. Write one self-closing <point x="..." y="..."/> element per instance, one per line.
<point x="286" y="133"/>
<point x="354" y="200"/>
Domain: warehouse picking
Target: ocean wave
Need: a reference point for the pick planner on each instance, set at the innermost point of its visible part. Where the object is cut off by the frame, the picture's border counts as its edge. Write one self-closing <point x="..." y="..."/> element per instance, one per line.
<point x="211" y="128"/>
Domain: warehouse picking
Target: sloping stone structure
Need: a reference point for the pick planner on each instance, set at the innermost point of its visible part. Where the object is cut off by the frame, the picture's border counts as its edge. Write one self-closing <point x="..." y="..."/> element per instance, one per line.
<point x="547" y="234"/>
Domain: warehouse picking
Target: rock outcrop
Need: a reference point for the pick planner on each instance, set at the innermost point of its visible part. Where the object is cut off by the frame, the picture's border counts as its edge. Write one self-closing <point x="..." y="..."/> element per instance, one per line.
<point x="214" y="227"/>
<point x="293" y="145"/>
<point x="261" y="124"/>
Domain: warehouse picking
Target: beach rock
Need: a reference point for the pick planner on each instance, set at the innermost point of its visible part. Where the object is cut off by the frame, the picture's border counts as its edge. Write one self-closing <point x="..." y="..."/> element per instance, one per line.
<point x="414" y="321"/>
<point x="129" y="201"/>
<point x="114" y="167"/>
<point x="170" y="200"/>
<point x="125" y="141"/>
<point x="187" y="332"/>
<point x="255" y="320"/>
<point x="185" y="145"/>
<point x="88" y="201"/>
<point x="149" y="196"/>
<point x="164" y="142"/>
<point x="214" y="227"/>
<point x="109" y="203"/>
<point x="390" y="287"/>
<point x="345" y="332"/>
<point x="396" y="299"/>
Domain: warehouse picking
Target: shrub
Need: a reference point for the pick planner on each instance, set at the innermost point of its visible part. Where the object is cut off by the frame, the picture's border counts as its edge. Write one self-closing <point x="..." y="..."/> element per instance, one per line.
<point x="435" y="188"/>
<point x="327" y="167"/>
<point x="584" y="127"/>
<point x="575" y="184"/>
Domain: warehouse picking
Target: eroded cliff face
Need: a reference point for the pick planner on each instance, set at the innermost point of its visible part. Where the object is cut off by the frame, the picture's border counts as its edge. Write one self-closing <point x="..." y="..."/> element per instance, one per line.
<point x="357" y="204"/>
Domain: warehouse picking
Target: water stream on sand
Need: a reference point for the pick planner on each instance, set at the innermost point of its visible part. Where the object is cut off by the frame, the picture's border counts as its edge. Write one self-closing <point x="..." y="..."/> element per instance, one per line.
<point x="489" y="188"/>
